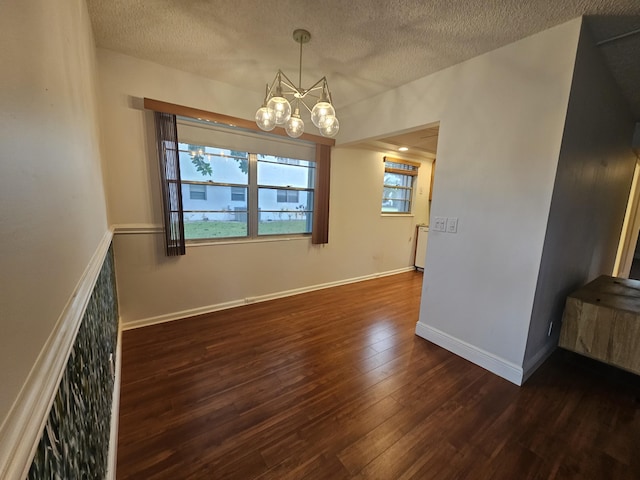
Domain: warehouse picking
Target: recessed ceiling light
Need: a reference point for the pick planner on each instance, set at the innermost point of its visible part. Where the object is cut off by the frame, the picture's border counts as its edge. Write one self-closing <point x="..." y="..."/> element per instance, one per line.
<point x="403" y="149"/>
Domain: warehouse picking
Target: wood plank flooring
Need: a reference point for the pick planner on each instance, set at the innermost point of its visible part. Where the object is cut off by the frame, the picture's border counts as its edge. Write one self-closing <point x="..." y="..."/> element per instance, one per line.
<point x="334" y="384"/>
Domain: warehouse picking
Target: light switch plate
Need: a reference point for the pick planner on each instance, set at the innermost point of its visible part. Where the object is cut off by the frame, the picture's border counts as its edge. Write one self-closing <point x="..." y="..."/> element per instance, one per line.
<point x="452" y="224"/>
<point x="440" y="224"/>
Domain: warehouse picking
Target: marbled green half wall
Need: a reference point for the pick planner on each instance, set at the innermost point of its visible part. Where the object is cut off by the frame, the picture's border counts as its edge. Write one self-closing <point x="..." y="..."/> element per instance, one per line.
<point x="75" y="441"/>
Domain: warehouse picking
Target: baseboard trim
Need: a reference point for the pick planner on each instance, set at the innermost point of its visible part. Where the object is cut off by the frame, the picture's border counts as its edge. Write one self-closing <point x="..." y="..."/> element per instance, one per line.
<point x="499" y="366"/>
<point x="169" y="317"/>
<point x="21" y="431"/>
<point x="537" y="360"/>
<point x="115" y="412"/>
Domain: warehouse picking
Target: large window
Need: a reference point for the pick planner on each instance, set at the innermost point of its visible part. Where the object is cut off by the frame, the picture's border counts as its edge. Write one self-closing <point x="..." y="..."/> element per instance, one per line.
<point x="197" y="140"/>
<point x="229" y="193"/>
<point x="399" y="176"/>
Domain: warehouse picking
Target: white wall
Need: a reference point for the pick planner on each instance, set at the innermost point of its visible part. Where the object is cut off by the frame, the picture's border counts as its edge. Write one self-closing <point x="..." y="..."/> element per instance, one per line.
<point x="150" y="285"/>
<point x="501" y="119"/>
<point x="590" y="196"/>
<point x="52" y="208"/>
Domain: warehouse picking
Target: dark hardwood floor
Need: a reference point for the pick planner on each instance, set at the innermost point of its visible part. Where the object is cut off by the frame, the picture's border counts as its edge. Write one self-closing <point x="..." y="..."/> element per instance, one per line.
<point x="334" y="384"/>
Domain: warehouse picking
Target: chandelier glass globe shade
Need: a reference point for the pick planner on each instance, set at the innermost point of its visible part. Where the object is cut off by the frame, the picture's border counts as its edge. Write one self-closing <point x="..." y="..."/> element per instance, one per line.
<point x="280" y="108"/>
<point x="265" y="119"/>
<point x="330" y="127"/>
<point x="295" y="126"/>
<point x="320" y="112"/>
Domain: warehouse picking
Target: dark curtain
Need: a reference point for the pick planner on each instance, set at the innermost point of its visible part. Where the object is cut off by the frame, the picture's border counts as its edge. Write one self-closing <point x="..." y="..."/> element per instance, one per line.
<point x="320" y="232"/>
<point x="167" y="144"/>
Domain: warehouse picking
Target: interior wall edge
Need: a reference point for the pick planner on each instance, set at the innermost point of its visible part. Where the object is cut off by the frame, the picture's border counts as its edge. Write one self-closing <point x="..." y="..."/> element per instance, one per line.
<point x="536" y="361"/>
<point x="496" y="365"/>
<point x="115" y="410"/>
<point x="590" y="193"/>
<point x="21" y="430"/>
<point x="170" y="317"/>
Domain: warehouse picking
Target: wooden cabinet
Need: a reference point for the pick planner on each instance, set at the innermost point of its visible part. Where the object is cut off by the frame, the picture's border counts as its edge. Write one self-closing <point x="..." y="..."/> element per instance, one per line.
<point x="602" y="321"/>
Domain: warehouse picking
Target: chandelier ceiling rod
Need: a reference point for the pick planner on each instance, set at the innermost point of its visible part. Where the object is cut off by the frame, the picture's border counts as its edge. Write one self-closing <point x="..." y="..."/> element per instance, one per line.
<point x="276" y="109"/>
<point x="299" y="36"/>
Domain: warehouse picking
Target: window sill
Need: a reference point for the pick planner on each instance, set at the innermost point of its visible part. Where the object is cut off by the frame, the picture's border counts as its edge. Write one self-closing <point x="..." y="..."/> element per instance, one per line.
<point x="397" y="215"/>
<point x="206" y="243"/>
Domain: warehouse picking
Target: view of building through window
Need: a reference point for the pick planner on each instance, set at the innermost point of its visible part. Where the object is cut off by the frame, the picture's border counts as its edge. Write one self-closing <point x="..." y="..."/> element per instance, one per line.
<point x="398" y="186"/>
<point x="228" y="193"/>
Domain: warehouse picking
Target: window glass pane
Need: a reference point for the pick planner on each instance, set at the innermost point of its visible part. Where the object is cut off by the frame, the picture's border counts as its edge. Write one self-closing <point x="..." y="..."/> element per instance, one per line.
<point x="285" y="172"/>
<point x="397" y="206"/>
<point x="210" y="164"/>
<point x="396" y="200"/>
<point x="238" y="194"/>
<point x="397" y="179"/>
<point x="283" y="228"/>
<point x="214" y="216"/>
<point x="288" y="196"/>
<point x="391" y="193"/>
<point x="197" y="192"/>
<point x="275" y="217"/>
<point x="217" y="198"/>
<point x="215" y="225"/>
<point x="397" y="191"/>
<point x="205" y="133"/>
<point x="400" y="166"/>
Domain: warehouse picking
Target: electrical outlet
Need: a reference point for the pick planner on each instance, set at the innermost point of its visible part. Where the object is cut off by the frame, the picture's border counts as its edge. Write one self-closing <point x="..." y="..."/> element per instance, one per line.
<point x="452" y="225"/>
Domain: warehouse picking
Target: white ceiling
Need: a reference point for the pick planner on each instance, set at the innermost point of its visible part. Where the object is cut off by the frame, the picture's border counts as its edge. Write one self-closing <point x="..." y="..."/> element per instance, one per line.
<point x="422" y="144"/>
<point x="364" y="47"/>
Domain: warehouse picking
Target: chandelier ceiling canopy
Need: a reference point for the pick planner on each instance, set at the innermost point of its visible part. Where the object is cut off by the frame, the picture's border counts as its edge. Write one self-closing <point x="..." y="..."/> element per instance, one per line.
<point x="283" y="100"/>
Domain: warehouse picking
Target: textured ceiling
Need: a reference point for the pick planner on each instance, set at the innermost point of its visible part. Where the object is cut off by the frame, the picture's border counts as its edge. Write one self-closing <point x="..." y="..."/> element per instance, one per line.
<point x="422" y="143"/>
<point x="363" y="47"/>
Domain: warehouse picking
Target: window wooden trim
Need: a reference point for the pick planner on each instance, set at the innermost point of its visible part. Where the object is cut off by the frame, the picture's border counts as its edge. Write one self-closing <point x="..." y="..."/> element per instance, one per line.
<point x="411" y="173"/>
<point x="182" y="111"/>
<point x="402" y="161"/>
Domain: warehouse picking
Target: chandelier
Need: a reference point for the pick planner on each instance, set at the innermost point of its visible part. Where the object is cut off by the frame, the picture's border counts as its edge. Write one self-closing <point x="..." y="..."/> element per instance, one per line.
<point x="282" y="95"/>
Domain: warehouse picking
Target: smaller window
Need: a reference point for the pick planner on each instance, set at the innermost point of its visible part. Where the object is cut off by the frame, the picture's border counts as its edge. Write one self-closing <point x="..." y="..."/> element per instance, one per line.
<point x="288" y="196"/>
<point x="397" y="191"/>
<point x="238" y="194"/>
<point x="197" y="192"/>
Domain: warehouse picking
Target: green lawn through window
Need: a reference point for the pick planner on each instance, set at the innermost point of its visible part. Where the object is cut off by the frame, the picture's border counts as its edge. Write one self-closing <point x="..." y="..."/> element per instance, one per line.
<point x="216" y="229"/>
